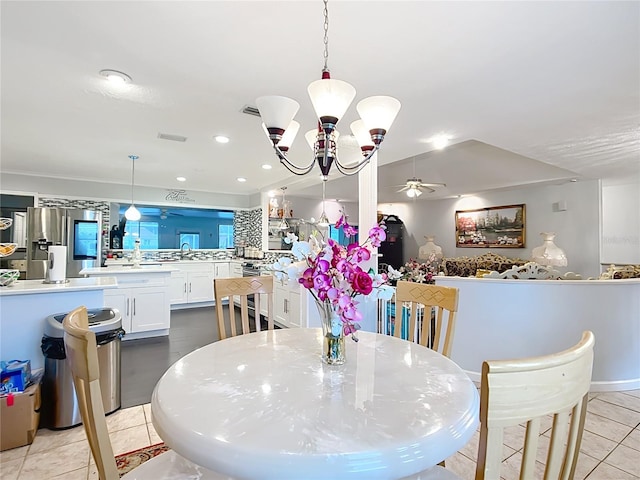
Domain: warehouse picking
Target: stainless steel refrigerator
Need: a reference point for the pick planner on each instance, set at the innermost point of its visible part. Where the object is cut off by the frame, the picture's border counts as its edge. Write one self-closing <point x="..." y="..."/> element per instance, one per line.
<point x="78" y="230"/>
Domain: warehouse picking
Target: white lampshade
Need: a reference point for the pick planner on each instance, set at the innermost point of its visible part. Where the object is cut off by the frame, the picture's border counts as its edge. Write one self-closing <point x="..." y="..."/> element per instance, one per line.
<point x="277" y="111"/>
<point x="549" y="254"/>
<point x="378" y="112"/>
<point x="330" y="97"/>
<point x="289" y="134"/>
<point x="414" y="192"/>
<point x="363" y="137"/>
<point x="312" y="135"/>
<point x="132" y="213"/>
<point x="323" y="221"/>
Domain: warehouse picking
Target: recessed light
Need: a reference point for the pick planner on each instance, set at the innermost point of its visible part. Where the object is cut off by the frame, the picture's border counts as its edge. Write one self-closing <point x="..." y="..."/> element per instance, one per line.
<point x="241" y="179"/>
<point x="116" y="77"/>
<point x="573" y="180"/>
<point x="266" y="166"/>
<point x="181" y="179"/>
<point x="221" y="139"/>
<point x="440" y="141"/>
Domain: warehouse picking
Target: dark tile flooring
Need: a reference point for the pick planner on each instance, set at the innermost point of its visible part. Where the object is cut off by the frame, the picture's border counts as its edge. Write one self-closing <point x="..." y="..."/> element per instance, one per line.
<point x="144" y="361"/>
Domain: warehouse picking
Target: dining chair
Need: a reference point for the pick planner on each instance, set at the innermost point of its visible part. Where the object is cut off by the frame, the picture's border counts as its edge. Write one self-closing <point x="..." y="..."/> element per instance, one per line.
<point x="418" y="302"/>
<point x="242" y="288"/>
<point x="525" y="391"/>
<point x="82" y="355"/>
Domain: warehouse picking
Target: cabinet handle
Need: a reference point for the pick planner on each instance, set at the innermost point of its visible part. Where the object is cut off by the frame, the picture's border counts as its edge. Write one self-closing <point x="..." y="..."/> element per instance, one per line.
<point x="134" y="306"/>
<point x="286" y="304"/>
<point x="189" y="287"/>
<point x="127" y="307"/>
<point x="185" y="287"/>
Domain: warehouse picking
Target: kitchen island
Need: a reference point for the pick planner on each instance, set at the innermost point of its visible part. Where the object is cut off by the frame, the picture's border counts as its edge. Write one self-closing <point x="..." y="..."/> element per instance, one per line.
<point x="25" y="305"/>
<point x="505" y="318"/>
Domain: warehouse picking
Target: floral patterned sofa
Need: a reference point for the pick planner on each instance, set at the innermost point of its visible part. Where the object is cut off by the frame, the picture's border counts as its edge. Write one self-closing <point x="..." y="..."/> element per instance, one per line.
<point x="621" y="271"/>
<point x="467" y="266"/>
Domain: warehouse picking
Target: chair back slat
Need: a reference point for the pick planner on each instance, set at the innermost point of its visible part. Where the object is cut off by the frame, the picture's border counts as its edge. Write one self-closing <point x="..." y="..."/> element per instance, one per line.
<point x="82" y="356"/>
<point x="525" y="390"/>
<point x="240" y="288"/>
<point x="431" y="314"/>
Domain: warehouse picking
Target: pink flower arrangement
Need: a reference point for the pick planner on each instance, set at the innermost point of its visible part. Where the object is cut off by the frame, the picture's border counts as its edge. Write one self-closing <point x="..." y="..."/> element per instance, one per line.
<point x="333" y="275"/>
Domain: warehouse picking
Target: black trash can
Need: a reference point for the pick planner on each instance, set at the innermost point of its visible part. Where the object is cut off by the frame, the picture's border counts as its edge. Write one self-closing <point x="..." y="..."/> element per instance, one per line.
<point x="59" y="402"/>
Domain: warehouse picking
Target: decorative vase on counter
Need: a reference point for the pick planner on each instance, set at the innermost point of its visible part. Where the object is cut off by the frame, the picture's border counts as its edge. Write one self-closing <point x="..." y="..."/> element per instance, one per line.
<point x="137" y="255"/>
<point x="549" y="254"/>
<point x="333" y="341"/>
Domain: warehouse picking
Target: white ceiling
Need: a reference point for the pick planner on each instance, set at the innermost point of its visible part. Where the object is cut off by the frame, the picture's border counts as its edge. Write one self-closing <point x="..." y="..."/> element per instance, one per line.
<point x="532" y="92"/>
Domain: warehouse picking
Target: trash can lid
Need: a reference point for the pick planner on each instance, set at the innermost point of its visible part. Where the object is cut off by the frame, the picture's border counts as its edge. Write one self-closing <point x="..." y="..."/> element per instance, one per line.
<point x="101" y="320"/>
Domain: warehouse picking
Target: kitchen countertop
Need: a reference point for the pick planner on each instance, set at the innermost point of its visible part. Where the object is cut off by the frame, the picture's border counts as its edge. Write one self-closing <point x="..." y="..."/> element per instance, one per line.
<point x="26" y="287"/>
<point x="120" y="269"/>
<point x="124" y="262"/>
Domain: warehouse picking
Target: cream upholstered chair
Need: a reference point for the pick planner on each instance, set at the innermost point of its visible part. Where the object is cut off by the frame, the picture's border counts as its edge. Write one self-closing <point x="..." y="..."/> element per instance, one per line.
<point x="241" y="288"/>
<point x="524" y="391"/>
<point x="418" y="299"/>
<point x="82" y="355"/>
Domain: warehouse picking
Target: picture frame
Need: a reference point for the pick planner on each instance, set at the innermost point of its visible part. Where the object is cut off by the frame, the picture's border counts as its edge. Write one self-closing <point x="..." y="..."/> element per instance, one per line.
<point x="491" y="227"/>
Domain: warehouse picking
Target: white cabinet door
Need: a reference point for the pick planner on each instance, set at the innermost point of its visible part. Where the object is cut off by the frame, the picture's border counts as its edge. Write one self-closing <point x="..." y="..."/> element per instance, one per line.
<point x="200" y="287"/>
<point x="293" y="308"/>
<point x="178" y="288"/>
<point x="120" y="299"/>
<point x="149" y="309"/>
<point x="222" y="270"/>
<point x="235" y="269"/>
<point x="280" y="300"/>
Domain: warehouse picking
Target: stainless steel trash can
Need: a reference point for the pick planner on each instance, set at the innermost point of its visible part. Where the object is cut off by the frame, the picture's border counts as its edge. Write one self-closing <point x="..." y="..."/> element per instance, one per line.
<point x="59" y="402"/>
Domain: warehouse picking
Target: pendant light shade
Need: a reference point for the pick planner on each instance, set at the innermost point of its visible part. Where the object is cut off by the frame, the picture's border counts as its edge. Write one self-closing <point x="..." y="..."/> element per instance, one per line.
<point x="331" y="98"/>
<point x="379" y="112"/>
<point x="132" y="212"/>
<point x="276" y="111"/>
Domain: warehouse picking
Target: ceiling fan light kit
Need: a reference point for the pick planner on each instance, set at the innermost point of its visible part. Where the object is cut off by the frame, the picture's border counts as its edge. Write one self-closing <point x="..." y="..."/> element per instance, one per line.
<point x="330" y="99"/>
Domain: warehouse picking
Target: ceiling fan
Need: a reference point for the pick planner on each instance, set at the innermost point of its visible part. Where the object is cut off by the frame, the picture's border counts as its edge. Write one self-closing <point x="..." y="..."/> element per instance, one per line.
<point x="414" y="187"/>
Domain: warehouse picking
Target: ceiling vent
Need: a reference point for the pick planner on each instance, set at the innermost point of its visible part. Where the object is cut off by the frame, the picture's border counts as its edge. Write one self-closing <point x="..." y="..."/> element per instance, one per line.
<point x="175" y="138"/>
<point x="249" y="110"/>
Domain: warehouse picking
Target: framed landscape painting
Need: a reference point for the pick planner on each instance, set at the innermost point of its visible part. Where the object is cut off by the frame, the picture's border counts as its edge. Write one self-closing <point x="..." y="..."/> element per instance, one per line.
<point x="491" y="227"/>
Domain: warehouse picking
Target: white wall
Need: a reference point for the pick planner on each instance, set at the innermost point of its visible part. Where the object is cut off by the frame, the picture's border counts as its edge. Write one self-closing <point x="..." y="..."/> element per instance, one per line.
<point x="620" y="221"/>
<point x="577" y="228"/>
<point x="117" y="192"/>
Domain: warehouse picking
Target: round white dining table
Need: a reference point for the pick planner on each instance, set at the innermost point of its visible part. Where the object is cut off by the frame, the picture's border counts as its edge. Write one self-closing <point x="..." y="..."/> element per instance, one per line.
<point x="264" y="406"/>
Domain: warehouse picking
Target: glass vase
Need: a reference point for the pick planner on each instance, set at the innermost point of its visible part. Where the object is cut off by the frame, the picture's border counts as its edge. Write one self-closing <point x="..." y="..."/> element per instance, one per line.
<point x="333" y="344"/>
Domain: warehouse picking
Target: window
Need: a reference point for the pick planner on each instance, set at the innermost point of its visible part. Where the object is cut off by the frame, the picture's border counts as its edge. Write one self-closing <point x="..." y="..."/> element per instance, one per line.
<point x="225" y="236"/>
<point x="147" y="231"/>
<point x="193" y="239"/>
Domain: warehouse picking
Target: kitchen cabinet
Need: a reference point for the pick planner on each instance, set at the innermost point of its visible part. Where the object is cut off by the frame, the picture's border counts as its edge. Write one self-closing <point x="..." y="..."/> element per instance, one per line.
<point x="286" y="304"/>
<point x="235" y="269"/>
<point x="222" y="270"/>
<point x="142" y="298"/>
<point x="192" y="283"/>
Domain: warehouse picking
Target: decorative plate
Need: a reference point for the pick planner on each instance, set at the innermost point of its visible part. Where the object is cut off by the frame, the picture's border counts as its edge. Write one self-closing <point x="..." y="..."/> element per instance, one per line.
<point x="7" y="249"/>
<point x="7" y="277"/>
<point x="5" y="223"/>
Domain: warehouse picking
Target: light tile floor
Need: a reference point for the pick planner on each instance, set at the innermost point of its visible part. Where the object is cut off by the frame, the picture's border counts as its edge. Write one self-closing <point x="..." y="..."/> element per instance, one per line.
<point x="610" y="447"/>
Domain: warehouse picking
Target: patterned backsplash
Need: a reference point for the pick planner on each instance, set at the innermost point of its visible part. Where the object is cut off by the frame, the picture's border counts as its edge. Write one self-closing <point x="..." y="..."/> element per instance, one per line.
<point x="247" y="227"/>
<point x="96" y="205"/>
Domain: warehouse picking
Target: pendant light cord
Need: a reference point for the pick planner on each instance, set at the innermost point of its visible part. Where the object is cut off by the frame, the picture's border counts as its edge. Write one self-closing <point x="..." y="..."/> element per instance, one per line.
<point x="324" y="182"/>
<point x="326" y="34"/>
<point x="133" y="173"/>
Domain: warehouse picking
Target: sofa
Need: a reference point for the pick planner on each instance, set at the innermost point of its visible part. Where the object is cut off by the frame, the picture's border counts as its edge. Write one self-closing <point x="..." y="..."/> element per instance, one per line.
<point x="467" y="266"/>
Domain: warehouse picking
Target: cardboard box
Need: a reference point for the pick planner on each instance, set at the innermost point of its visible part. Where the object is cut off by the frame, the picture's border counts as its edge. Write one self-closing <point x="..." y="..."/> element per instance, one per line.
<point x="19" y="417"/>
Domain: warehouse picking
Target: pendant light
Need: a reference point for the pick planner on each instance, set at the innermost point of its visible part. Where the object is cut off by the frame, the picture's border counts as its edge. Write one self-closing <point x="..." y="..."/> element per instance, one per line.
<point x="283" y="225"/>
<point x="132" y="212"/>
<point x="323" y="221"/>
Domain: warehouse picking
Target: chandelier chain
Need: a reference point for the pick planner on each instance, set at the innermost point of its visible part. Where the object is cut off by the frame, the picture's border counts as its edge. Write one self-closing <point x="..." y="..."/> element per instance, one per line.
<point x="326" y="34"/>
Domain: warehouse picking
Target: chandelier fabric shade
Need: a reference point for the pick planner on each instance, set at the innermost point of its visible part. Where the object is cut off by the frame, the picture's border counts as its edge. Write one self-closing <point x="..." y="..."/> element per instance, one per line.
<point x="331" y="99"/>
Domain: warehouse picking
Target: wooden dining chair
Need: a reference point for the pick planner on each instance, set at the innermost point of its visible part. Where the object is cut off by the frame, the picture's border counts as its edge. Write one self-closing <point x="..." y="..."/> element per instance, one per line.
<point x="525" y="391"/>
<point x="241" y="288"/>
<point x="82" y="355"/>
<point x="418" y="301"/>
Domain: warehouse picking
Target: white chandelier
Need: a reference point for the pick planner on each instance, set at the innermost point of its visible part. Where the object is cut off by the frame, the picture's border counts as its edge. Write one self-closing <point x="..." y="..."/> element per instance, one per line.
<point x="331" y="99"/>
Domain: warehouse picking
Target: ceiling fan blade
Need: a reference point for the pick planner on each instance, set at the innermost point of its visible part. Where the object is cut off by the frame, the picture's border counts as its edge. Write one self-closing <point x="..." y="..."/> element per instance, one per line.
<point x="404" y="189"/>
<point x="433" y="184"/>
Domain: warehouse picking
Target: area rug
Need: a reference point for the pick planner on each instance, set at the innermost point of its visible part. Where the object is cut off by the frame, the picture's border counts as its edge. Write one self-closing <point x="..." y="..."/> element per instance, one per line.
<point x="128" y="461"/>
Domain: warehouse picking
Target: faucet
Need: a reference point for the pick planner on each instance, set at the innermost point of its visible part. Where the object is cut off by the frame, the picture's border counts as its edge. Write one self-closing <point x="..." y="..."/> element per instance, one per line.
<point x="182" y="253"/>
